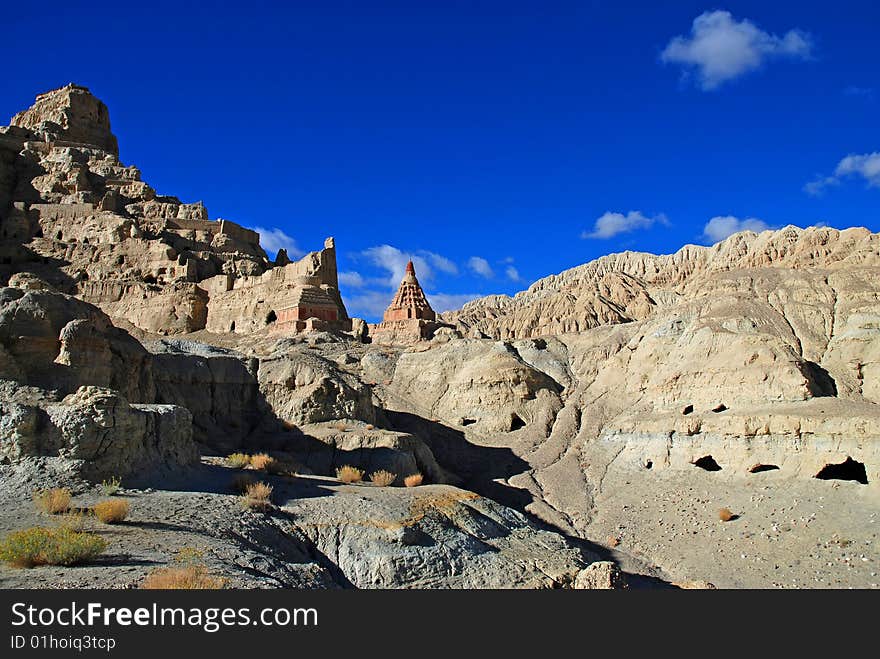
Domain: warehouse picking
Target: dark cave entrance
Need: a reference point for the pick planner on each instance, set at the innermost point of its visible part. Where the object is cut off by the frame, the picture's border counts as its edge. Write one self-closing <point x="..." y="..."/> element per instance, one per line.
<point x="271" y="317"/>
<point x="708" y="463"/>
<point x="516" y="422"/>
<point x="848" y="470"/>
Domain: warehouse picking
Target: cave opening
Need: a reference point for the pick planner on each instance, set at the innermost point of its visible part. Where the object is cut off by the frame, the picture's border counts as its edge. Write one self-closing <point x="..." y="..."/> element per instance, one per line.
<point x="708" y="463"/>
<point x="848" y="470"/>
<point x="758" y="468"/>
<point x="719" y="408"/>
<point x="468" y="422"/>
<point x="271" y="317"/>
<point x="516" y="422"/>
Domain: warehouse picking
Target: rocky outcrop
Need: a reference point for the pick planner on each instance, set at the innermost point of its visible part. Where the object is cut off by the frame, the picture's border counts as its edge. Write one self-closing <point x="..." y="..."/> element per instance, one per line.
<point x="101" y="432"/>
<point x="630" y="285"/>
<point x="80" y="219"/>
<point x="71" y="114"/>
<point x="476" y="383"/>
<point x="301" y="387"/>
<point x="440" y="537"/>
<point x="219" y="388"/>
<point x="58" y="342"/>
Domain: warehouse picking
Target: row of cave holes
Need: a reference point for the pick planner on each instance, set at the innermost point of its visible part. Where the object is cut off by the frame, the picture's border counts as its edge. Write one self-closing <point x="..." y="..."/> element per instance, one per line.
<point x="688" y="409"/>
<point x="848" y="470"/>
<point x="271" y="317"/>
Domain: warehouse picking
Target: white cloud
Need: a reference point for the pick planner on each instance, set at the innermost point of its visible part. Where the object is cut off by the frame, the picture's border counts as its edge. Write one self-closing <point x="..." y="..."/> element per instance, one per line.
<point x="610" y="224"/>
<point x="352" y="279"/>
<point x="272" y="240"/>
<point x="865" y="165"/>
<point x="393" y="260"/>
<point x="720" y="48"/>
<point x="368" y="304"/>
<point x="512" y="273"/>
<point x="720" y="227"/>
<point x="817" y="187"/>
<point x="441" y="263"/>
<point x="441" y="302"/>
<point x="480" y="266"/>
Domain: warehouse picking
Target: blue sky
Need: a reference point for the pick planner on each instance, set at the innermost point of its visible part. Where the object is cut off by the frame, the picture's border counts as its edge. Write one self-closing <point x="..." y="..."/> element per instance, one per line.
<point x="495" y="142"/>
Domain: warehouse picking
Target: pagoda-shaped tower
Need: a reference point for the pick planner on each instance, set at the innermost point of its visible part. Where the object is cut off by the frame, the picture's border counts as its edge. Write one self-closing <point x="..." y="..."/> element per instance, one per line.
<point x="410" y="301"/>
<point x="409" y="318"/>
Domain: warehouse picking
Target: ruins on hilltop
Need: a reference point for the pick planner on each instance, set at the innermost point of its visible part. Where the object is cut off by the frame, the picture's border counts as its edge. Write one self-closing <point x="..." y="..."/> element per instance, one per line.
<point x="78" y="218"/>
<point x="409" y="318"/>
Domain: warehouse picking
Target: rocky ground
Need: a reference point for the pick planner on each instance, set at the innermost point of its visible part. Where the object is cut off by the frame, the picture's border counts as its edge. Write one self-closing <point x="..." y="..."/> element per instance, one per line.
<point x="809" y="534"/>
<point x="320" y="534"/>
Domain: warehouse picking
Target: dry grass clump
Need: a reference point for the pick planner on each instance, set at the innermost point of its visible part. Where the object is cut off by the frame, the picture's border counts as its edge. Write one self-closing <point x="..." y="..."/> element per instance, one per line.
<point x="110" y="486"/>
<point x="349" y="474"/>
<point x="257" y="496"/>
<point x="111" y="511"/>
<point x="725" y="515"/>
<point x="341" y="427"/>
<point x="370" y="426"/>
<point x="42" y="546"/>
<point x="382" y="478"/>
<point x="238" y="460"/>
<point x="242" y="482"/>
<point x="264" y="462"/>
<point x="413" y="480"/>
<point x="185" y="577"/>
<point x="53" y="501"/>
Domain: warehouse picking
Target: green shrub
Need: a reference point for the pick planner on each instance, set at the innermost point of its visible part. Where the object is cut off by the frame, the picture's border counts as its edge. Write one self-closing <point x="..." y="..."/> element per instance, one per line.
<point x="238" y="460"/>
<point x="110" y="486"/>
<point x="42" y="546"/>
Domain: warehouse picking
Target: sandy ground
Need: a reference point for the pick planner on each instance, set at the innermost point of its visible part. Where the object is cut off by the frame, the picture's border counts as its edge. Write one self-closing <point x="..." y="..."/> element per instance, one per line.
<point x="787" y="533"/>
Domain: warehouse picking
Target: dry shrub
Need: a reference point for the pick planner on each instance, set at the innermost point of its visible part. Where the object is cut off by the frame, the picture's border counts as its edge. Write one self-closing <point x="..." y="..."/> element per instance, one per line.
<point x="189" y="555"/>
<point x="238" y="460"/>
<point x="382" y="478"/>
<point x="413" y="480"/>
<point x="613" y="541"/>
<point x="725" y="515"/>
<point x="341" y="427"/>
<point x="263" y="462"/>
<point x="42" y="546"/>
<point x="73" y="520"/>
<point x="257" y="496"/>
<point x="111" y="511"/>
<point x="242" y="482"/>
<point x="53" y="501"/>
<point x="110" y="486"/>
<point x="370" y="426"/>
<point x="349" y="474"/>
<point x="186" y="577"/>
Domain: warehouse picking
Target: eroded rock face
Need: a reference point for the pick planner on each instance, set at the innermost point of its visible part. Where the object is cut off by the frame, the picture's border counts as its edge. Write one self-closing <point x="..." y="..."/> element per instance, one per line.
<point x="440" y="537"/>
<point x="218" y="387"/>
<point x="101" y="432"/>
<point x="86" y="223"/>
<point x="56" y="341"/>
<point x="477" y="383"/>
<point x="70" y="113"/>
<point x="302" y="388"/>
<point x="629" y="285"/>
